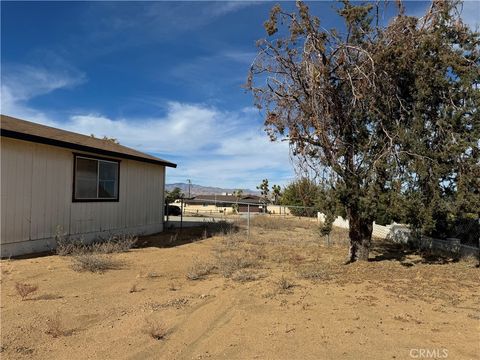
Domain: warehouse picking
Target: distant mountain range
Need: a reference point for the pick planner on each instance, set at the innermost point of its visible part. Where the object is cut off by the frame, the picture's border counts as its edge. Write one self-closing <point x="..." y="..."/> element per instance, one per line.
<point x="205" y="190"/>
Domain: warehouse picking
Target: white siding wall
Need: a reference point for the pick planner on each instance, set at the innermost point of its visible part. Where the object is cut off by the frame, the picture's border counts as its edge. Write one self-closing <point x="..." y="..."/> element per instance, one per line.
<point x="36" y="199"/>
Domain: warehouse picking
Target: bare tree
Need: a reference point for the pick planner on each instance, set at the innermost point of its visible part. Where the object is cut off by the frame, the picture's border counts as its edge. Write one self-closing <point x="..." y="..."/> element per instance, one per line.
<point x="348" y="102"/>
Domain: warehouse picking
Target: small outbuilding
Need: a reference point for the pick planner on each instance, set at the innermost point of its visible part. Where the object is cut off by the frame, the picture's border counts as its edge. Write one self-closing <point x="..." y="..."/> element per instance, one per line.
<point x="56" y="182"/>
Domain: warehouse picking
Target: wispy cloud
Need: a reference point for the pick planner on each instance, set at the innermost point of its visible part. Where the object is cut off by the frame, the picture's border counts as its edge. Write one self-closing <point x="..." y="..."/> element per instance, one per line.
<point x="150" y="22"/>
<point x="22" y="82"/>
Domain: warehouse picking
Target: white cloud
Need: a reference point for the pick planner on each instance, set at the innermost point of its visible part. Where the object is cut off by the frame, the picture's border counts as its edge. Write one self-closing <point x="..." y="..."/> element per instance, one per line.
<point x="211" y="146"/>
<point x="21" y="83"/>
<point x="26" y="81"/>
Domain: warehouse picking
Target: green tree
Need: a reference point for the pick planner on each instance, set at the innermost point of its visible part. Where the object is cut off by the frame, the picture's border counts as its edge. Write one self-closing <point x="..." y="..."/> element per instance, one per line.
<point x="387" y="115"/>
<point x="238" y="194"/>
<point x="277" y="193"/>
<point x="171" y="196"/>
<point x="264" y="190"/>
<point x="302" y="192"/>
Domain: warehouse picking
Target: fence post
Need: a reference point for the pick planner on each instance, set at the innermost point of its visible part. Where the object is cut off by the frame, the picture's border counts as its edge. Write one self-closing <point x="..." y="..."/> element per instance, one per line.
<point x="248" y="220"/>
<point x="181" y="214"/>
<point x="168" y="210"/>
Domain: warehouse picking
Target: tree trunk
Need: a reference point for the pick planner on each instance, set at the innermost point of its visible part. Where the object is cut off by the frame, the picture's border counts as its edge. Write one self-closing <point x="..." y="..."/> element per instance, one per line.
<point x="360" y="233"/>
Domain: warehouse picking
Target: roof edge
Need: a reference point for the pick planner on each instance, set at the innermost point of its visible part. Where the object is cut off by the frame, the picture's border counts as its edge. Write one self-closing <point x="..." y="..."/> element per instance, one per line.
<point x="65" y="144"/>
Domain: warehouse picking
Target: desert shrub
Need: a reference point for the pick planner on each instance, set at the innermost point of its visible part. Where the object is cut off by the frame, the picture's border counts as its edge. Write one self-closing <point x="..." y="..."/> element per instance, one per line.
<point x="199" y="270"/>
<point x="24" y="289"/>
<point x="245" y="275"/>
<point x="94" y="263"/>
<point x="113" y="244"/>
<point x="67" y="246"/>
<point x="155" y="329"/>
<point x="229" y="262"/>
<point x="55" y="327"/>
<point x="470" y="260"/>
<point x="152" y="275"/>
<point x="313" y="273"/>
<point x="268" y="222"/>
<point x="336" y="236"/>
<point x="284" y="284"/>
<point x="172" y="287"/>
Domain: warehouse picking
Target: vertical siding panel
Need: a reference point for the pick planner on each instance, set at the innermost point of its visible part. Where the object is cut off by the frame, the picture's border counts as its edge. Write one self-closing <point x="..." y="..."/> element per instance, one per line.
<point x="140" y="195"/>
<point x="17" y="199"/>
<point x="131" y="194"/>
<point x="3" y="195"/>
<point x="153" y="177"/>
<point x="38" y="193"/>
<point x="49" y="203"/>
<point x="27" y="191"/>
<point x="126" y="187"/>
<point x="8" y="192"/>
<point x="68" y="189"/>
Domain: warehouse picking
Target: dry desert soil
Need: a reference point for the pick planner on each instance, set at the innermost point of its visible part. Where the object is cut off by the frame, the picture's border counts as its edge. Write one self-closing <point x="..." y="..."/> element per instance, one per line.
<point x="281" y="293"/>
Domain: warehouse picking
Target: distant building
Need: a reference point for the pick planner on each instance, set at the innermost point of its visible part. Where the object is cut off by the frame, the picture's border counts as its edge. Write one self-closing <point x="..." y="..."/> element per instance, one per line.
<point x="227" y="201"/>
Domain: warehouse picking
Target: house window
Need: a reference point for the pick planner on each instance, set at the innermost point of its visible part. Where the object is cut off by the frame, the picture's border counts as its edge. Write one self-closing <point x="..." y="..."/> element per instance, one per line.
<point x="95" y="179"/>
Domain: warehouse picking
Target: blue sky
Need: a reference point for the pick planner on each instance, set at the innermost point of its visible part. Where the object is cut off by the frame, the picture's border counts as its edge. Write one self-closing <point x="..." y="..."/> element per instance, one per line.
<point x="162" y="77"/>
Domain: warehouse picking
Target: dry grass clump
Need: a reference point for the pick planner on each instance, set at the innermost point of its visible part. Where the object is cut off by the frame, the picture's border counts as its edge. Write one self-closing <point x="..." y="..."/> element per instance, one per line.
<point x="199" y="270"/>
<point x="67" y="246"/>
<point x="94" y="263"/>
<point x="284" y="284"/>
<point x="267" y="222"/>
<point x="113" y="244"/>
<point x="6" y="267"/>
<point x="237" y="252"/>
<point x="312" y="272"/>
<point x="152" y="275"/>
<point x="229" y="262"/>
<point x="56" y="328"/>
<point x="245" y="275"/>
<point x="173" y="287"/>
<point x="281" y="254"/>
<point x="155" y="329"/>
<point x="24" y="289"/>
<point x="338" y="236"/>
<point x="470" y="260"/>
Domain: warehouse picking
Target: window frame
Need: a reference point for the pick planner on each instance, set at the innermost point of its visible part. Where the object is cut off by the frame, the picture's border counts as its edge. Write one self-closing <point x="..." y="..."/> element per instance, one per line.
<point x="96" y="158"/>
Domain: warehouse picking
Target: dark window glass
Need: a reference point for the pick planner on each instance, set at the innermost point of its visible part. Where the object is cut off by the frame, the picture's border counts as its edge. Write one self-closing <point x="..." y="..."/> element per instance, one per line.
<point x="86" y="178"/>
<point x="107" y="179"/>
<point x="95" y="179"/>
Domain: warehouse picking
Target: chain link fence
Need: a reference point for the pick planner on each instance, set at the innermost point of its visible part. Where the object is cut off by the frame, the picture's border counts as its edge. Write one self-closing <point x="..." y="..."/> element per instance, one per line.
<point x="195" y="212"/>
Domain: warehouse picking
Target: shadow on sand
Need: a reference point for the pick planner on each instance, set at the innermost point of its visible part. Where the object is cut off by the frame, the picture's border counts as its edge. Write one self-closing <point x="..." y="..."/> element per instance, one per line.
<point x="175" y="236"/>
<point x="384" y="250"/>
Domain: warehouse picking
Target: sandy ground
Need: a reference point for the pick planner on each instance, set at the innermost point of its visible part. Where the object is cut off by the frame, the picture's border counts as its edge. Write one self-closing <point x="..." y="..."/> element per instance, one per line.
<point x="280" y="294"/>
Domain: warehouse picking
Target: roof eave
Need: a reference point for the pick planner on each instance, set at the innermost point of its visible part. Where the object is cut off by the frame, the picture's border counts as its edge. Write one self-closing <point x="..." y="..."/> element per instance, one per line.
<point x="73" y="146"/>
